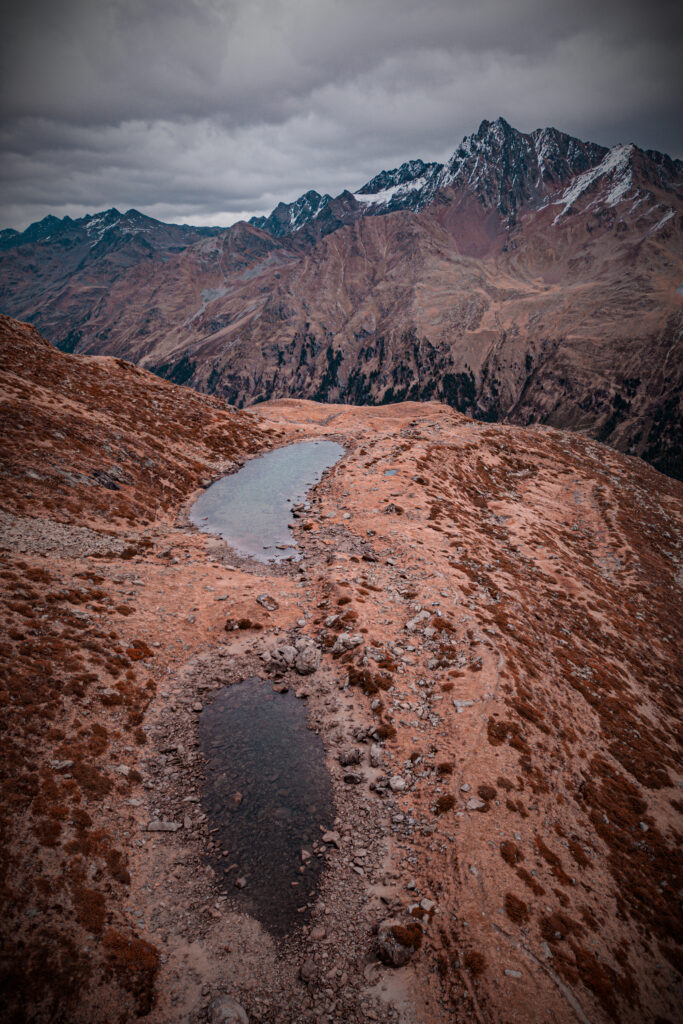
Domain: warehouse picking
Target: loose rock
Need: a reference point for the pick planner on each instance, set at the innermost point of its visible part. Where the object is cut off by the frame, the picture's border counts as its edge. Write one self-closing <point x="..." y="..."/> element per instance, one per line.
<point x="398" y="941"/>
<point x="224" y="1010"/>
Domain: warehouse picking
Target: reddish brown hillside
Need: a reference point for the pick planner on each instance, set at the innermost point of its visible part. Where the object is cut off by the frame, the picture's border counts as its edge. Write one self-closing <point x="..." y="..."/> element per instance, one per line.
<point x="494" y="613"/>
<point x="96" y="455"/>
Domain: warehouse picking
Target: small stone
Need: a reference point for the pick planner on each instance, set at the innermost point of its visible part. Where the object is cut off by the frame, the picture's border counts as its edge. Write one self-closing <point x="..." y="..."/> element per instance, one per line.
<point x="397" y="784"/>
<point x="475" y="804"/>
<point x="353" y="779"/>
<point x="465" y="788"/>
<point x="332" y="839"/>
<point x="280" y="688"/>
<point x="346" y="642"/>
<point x="375" y="755"/>
<point x="513" y="974"/>
<point x="197" y="707"/>
<point x="224" y="1010"/>
<point x="427" y="905"/>
<point x="267" y="602"/>
<point x="241" y="883"/>
<point x="163" y="826"/>
<point x="318" y="933"/>
<point x="283" y="656"/>
<point x="349" y="756"/>
<point x="413" y="624"/>
<point x="643" y="826"/>
<point x="307" y="971"/>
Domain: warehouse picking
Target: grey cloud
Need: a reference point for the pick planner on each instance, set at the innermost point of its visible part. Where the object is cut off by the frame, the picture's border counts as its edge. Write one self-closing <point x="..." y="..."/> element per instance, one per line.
<point x="215" y="109"/>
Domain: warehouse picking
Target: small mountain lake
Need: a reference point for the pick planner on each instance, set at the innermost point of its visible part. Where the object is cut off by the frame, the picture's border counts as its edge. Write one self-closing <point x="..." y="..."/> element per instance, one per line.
<point x="267" y="793"/>
<point x="251" y="509"/>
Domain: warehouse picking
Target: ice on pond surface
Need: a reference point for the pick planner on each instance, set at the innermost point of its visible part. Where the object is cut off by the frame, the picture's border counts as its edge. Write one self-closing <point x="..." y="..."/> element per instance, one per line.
<point x="251" y="508"/>
<point x="267" y="793"/>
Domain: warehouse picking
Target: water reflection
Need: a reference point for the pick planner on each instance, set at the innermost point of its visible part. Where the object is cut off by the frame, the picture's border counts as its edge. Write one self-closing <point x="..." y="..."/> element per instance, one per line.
<point x="251" y="509"/>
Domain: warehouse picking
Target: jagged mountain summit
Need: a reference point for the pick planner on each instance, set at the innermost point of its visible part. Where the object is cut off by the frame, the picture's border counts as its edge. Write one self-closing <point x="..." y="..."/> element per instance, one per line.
<point x="502" y="167"/>
<point x="532" y="277"/>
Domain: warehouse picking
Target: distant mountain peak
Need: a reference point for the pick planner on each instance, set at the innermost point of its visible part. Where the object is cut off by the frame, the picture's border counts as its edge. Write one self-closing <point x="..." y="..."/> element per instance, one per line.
<point x="287" y="218"/>
<point x="506" y="168"/>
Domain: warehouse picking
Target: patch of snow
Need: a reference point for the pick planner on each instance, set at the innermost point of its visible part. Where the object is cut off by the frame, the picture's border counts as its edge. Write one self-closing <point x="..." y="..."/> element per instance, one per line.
<point x="616" y="164"/>
<point x="662" y="222"/>
<point x="386" y="195"/>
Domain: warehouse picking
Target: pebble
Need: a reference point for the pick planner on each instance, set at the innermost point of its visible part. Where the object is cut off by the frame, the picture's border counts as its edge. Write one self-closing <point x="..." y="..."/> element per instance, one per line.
<point x="307" y="970"/>
<point x="398" y="784"/>
<point x="513" y="974"/>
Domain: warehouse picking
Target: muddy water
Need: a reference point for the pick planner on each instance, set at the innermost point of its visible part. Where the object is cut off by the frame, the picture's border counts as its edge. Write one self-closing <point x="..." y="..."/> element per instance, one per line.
<point x="251" y="509"/>
<point x="267" y="792"/>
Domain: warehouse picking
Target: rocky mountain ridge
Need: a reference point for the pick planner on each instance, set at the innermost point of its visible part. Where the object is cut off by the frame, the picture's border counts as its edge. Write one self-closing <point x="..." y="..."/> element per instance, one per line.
<point x="533" y="277"/>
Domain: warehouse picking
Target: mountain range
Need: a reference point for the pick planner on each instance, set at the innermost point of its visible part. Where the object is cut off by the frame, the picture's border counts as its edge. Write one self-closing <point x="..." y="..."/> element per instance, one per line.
<point x="531" y="278"/>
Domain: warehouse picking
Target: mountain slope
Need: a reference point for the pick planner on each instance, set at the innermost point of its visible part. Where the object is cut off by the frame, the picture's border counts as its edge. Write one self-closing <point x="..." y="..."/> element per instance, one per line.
<point x="496" y="612"/>
<point x="532" y="277"/>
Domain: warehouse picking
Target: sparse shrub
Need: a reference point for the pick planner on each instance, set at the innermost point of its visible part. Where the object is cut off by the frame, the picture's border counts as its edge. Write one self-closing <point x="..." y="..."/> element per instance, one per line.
<point x="516" y="909"/>
<point x="444" y="803"/>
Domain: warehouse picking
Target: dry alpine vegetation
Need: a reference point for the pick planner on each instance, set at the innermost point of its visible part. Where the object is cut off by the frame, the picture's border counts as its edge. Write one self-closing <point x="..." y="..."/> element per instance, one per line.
<point x="497" y="692"/>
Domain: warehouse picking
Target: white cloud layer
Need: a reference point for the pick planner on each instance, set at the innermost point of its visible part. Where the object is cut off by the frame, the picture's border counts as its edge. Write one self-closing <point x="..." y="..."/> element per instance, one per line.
<point x="207" y="111"/>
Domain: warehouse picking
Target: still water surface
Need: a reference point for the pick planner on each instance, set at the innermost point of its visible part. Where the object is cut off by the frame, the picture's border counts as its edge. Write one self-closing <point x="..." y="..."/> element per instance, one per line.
<point x="251" y="509"/>
<point x="267" y="792"/>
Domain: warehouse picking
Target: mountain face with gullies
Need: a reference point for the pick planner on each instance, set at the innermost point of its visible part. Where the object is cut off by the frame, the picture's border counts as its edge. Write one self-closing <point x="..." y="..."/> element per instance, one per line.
<point x="531" y="278"/>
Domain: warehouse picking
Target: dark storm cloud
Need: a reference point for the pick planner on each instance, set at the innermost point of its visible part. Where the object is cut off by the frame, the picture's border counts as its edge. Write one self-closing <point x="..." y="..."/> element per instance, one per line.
<point x="205" y="110"/>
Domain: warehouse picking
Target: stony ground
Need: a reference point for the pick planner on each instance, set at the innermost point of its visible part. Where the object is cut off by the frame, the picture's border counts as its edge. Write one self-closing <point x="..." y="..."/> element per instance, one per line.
<point x="496" y="689"/>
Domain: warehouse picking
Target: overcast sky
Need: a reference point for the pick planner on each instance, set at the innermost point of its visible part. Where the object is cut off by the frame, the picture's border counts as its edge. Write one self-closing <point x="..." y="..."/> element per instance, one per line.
<point x="207" y="111"/>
